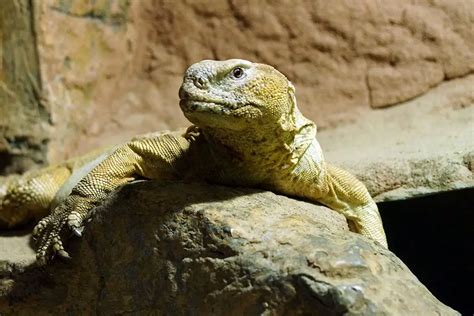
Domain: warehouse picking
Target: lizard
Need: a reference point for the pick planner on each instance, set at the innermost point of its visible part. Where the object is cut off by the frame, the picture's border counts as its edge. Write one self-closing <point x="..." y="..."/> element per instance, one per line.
<point x="247" y="131"/>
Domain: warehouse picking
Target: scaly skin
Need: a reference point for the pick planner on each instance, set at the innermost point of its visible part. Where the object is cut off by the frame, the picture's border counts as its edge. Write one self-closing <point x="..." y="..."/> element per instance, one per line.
<point x="247" y="131"/>
<point x="30" y="196"/>
<point x="27" y="197"/>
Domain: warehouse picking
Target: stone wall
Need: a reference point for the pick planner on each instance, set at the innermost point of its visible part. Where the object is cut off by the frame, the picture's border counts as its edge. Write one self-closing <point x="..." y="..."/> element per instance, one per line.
<point x="111" y="69"/>
<point x="23" y="116"/>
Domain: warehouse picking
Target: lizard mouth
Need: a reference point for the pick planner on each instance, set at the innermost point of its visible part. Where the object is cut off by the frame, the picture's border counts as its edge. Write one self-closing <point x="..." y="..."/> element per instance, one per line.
<point x="190" y="105"/>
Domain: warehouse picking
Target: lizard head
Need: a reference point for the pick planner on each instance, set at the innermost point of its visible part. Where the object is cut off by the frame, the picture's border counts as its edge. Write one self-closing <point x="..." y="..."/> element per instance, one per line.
<point x="237" y="95"/>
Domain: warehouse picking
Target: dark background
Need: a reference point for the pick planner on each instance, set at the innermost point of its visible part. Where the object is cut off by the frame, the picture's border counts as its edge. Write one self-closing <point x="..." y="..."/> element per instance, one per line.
<point x="434" y="237"/>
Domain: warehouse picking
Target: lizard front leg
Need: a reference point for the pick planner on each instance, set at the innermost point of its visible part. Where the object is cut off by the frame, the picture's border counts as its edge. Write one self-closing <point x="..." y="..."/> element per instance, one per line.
<point x="149" y="158"/>
<point x="341" y="191"/>
<point x="349" y="196"/>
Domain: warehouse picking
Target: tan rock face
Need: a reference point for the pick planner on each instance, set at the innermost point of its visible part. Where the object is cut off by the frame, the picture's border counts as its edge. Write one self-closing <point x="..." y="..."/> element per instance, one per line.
<point x="422" y="146"/>
<point x="112" y="68"/>
<point x="23" y="117"/>
<point x="179" y="249"/>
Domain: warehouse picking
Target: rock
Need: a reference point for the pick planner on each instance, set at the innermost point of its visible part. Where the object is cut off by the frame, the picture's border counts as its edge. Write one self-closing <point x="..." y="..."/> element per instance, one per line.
<point x="420" y="147"/>
<point x="344" y="57"/>
<point x="23" y="116"/>
<point x="181" y="248"/>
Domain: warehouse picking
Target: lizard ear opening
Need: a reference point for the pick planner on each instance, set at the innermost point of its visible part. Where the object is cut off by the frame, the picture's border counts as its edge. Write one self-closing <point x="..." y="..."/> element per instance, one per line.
<point x="292" y="94"/>
<point x="298" y="118"/>
<point x="290" y="111"/>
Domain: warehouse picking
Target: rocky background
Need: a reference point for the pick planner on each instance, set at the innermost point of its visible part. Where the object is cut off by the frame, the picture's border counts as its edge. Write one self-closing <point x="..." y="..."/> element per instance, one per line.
<point x="389" y="83"/>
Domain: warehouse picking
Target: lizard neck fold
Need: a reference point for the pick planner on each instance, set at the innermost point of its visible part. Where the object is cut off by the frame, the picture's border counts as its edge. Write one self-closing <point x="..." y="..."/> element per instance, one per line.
<point x="277" y="146"/>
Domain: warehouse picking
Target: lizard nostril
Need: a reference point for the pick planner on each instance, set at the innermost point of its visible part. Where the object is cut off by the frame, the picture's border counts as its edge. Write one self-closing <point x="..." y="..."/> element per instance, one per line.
<point x="201" y="83"/>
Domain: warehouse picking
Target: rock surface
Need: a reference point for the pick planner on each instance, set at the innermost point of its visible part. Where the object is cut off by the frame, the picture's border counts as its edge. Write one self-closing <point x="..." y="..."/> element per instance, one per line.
<point x="345" y="57"/>
<point x="23" y="116"/>
<point x="423" y="146"/>
<point x="180" y="249"/>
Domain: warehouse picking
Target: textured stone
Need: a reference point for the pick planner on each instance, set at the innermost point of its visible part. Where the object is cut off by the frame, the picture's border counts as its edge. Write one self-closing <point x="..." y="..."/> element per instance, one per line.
<point x="420" y="147"/>
<point x="180" y="249"/>
<point x="112" y="68"/>
<point x="23" y="116"/>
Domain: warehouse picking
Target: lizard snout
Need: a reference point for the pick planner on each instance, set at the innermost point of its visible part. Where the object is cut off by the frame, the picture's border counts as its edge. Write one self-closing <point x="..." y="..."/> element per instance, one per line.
<point x="192" y="84"/>
<point x="183" y="94"/>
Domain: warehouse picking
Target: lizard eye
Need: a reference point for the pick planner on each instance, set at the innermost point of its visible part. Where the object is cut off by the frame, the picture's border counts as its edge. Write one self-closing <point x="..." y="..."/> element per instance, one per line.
<point x="237" y="72"/>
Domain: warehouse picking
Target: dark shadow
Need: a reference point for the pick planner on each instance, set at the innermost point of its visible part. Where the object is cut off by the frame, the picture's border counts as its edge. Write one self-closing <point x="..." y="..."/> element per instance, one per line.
<point x="5" y="161"/>
<point x="434" y="237"/>
<point x="23" y="230"/>
<point x="202" y="191"/>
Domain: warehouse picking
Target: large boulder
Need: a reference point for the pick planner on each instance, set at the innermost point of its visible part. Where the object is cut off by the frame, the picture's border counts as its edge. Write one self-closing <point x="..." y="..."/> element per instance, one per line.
<point x="182" y="249"/>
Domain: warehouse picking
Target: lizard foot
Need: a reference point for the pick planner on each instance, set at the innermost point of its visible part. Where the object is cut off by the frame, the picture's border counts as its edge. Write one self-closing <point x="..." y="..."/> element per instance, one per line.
<point x="52" y="230"/>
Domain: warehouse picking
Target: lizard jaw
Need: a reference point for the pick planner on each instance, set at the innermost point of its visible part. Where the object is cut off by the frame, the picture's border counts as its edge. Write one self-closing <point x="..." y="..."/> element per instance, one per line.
<point x="188" y="105"/>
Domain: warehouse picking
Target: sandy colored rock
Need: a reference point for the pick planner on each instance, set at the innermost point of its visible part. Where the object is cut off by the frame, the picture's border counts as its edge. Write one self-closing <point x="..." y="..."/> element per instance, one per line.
<point x="112" y="68"/>
<point x="420" y="147"/>
<point x="176" y="248"/>
<point x="23" y="116"/>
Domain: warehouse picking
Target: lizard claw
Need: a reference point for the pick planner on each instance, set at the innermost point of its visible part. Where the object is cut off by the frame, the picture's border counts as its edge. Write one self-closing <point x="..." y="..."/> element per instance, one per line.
<point x="78" y="231"/>
<point x="40" y="260"/>
<point x="53" y="230"/>
<point x="63" y="254"/>
<point x="74" y="221"/>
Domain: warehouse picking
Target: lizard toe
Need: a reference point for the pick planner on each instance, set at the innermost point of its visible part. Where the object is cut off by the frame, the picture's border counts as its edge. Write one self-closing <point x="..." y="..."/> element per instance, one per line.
<point x="40" y="227"/>
<point x="42" y="252"/>
<point x="49" y="242"/>
<point x="41" y="259"/>
<point x="64" y="254"/>
<point x="74" y="221"/>
<point x="58" y="249"/>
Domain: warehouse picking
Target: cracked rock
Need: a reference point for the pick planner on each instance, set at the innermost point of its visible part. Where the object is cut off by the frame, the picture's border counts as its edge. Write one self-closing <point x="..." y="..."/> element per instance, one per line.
<point x="183" y="248"/>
